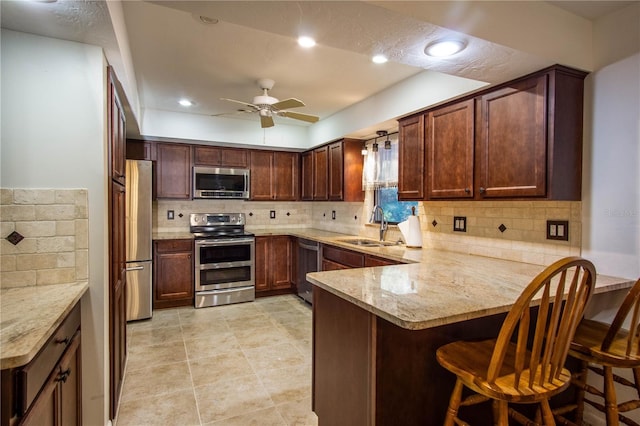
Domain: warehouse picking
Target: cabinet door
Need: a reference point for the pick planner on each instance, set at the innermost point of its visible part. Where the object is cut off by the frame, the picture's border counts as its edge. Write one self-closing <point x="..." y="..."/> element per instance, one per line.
<point x="117" y="301"/>
<point x="306" y="186"/>
<point x="449" y="140"/>
<point x="206" y="156"/>
<point x="116" y="130"/>
<point x="261" y="177"/>
<point x="279" y="262"/>
<point x="173" y="274"/>
<point x="513" y="142"/>
<point x="173" y="178"/>
<point x="353" y="161"/>
<point x="70" y="385"/>
<point x="44" y="411"/>
<point x="411" y="159"/>
<point x="285" y="175"/>
<point x="139" y="150"/>
<point x="320" y="172"/>
<point x="261" y="261"/>
<point x="336" y="167"/>
<point x="232" y="157"/>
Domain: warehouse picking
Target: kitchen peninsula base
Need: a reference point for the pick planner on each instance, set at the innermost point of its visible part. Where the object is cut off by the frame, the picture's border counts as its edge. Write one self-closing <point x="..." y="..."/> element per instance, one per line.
<point x="368" y="371"/>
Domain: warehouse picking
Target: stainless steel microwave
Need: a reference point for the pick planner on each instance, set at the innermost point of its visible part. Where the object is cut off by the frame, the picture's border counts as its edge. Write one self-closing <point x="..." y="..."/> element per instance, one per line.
<point x="218" y="182"/>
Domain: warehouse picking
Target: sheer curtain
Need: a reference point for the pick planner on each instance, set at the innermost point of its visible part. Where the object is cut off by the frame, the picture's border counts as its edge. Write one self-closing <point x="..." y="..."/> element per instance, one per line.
<point x="381" y="168"/>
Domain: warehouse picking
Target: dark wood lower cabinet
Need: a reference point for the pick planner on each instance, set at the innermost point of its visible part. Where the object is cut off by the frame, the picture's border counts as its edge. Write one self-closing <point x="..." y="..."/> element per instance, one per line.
<point x="173" y="273"/>
<point x="48" y="390"/>
<point x="273" y="265"/>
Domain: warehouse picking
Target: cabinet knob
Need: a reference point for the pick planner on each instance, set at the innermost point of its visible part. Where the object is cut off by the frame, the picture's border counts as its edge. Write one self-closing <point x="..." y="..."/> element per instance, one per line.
<point x="483" y="190"/>
<point x="467" y="190"/>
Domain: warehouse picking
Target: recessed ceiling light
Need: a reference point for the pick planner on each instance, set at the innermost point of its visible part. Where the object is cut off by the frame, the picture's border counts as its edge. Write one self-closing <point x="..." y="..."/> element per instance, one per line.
<point x="207" y="20"/>
<point x="307" y="42"/>
<point x="379" y="59"/>
<point x="185" y="102"/>
<point x="441" y="48"/>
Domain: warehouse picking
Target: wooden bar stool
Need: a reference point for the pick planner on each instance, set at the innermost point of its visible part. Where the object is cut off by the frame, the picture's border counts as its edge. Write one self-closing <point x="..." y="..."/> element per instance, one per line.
<point x="503" y="369"/>
<point x="609" y="346"/>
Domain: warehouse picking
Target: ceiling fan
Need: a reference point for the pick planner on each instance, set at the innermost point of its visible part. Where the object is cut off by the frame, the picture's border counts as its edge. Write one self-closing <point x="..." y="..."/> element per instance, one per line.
<point x="267" y="106"/>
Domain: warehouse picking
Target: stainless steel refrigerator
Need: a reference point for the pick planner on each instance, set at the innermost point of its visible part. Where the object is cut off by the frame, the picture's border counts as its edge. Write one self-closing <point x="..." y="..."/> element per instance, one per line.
<point x="138" y="235"/>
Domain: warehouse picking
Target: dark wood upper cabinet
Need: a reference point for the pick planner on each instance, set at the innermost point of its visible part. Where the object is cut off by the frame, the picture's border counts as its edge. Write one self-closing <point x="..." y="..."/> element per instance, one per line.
<point x="336" y="162"/>
<point x="449" y="136"/>
<point x="285" y="173"/>
<point x="274" y="176"/>
<point x="140" y="150"/>
<point x="411" y="158"/>
<point x="220" y="157"/>
<point x="173" y="177"/>
<point x="320" y="173"/>
<point x="306" y="184"/>
<point x="518" y="140"/>
<point x="333" y="172"/>
<point x="513" y="142"/>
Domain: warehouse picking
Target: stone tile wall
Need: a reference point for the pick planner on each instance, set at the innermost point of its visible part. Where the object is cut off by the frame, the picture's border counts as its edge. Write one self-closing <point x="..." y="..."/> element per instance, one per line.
<point x="54" y="224"/>
<point x="523" y="240"/>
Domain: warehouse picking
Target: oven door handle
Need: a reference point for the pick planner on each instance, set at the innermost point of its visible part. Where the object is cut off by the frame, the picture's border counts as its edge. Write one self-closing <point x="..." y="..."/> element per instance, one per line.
<point x="226" y="265"/>
<point x="236" y="241"/>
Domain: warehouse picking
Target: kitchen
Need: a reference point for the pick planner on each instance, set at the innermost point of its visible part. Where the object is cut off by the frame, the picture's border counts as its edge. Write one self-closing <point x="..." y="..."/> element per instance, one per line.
<point x="609" y="204"/>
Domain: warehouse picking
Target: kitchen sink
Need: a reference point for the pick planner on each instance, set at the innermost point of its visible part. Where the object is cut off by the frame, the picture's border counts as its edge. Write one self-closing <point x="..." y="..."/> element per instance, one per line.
<point x="369" y="243"/>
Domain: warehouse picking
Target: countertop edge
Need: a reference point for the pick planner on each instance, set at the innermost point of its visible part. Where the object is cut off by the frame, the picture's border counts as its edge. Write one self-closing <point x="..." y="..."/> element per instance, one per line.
<point x="26" y="357"/>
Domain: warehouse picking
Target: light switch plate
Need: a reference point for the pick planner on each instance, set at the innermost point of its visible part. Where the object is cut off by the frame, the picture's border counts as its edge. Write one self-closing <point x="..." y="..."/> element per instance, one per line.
<point x="460" y="224"/>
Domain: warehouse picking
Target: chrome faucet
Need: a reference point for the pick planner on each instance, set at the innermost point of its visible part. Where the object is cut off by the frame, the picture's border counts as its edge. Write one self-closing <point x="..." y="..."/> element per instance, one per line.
<point x="383" y="223"/>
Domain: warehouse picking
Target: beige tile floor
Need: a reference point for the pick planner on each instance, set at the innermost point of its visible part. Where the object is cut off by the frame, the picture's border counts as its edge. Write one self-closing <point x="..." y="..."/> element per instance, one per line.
<point x="243" y="364"/>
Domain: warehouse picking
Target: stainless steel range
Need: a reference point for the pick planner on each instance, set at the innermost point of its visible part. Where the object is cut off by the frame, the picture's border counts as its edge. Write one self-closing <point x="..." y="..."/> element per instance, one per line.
<point x="224" y="259"/>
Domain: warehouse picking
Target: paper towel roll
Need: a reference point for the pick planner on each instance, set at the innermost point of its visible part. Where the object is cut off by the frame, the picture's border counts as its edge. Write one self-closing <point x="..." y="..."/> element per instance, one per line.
<point x="411" y="232"/>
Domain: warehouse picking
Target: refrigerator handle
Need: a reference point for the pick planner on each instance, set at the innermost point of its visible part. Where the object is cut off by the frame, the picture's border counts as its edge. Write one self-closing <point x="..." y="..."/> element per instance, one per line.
<point x="135" y="268"/>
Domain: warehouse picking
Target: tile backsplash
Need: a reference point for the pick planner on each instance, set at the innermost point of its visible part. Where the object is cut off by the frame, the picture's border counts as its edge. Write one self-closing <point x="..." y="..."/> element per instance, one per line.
<point x="54" y="224"/>
<point x="523" y="239"/>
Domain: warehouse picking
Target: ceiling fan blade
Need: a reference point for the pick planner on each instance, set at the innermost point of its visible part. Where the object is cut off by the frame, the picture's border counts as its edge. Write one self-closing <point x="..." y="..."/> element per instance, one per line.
<point x="299" y="116"/>
<point x="266" y="121"/>
<point x="256" y="107"/>
<point x="288" y="103"/>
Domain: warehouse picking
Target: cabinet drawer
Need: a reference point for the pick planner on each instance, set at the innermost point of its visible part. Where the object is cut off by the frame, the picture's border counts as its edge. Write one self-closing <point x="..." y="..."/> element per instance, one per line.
<point x="170" y="246"/>
<point x="32" y="377"/>
<point x="379" y="261"/>
<point x="345" y="257"/>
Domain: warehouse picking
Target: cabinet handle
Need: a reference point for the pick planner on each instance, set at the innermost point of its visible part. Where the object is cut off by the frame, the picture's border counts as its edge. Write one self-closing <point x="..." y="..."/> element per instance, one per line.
<point x="483" y="190"/>
<point x="62" y="377"/>
<point x="64" y="341"/>
<point x="467" y="190"/>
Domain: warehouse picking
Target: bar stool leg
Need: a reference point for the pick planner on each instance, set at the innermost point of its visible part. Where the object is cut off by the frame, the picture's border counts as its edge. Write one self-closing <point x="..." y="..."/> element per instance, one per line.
<point x="500" y="413"/>
<point x="610" y="402"/>
<point x="582" y="379"/>
<point x="454" y="404"/>
<point x="636" y="376"/>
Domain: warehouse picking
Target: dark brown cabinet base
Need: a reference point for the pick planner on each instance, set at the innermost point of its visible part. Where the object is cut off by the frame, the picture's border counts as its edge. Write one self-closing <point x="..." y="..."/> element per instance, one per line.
<point x="173" y="283"/>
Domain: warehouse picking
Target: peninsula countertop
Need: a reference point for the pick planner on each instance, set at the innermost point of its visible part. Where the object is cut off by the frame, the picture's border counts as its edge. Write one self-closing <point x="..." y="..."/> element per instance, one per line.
<point x="30" y="316"/>
<point x="443" y="288"/>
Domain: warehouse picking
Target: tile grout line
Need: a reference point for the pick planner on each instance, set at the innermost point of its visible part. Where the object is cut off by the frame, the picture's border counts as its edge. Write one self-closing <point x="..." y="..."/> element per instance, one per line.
<point x="193" y="387"/>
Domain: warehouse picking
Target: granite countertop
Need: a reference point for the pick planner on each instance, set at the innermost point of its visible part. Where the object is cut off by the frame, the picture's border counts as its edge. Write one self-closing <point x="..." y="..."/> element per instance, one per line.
<point x="30" y="316"/>
<point x="444" y="288"/>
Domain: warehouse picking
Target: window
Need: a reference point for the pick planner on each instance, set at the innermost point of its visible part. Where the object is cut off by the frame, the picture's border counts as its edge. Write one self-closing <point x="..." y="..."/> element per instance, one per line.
<point x="394" y="211"/>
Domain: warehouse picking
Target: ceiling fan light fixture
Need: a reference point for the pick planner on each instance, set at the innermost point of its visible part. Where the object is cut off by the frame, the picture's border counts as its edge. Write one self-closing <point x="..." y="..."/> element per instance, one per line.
<point x="444" y="48"/>
<point x="306" y="42"/>
<point x="379" y="59"/>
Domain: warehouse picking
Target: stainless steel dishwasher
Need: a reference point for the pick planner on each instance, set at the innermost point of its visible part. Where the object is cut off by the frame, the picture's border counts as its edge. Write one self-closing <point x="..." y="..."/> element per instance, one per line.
<point x="308" y="261"/>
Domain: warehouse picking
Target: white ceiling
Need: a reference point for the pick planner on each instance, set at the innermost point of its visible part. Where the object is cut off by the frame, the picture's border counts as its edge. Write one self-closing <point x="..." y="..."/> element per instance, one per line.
<point x="174" y="55"/>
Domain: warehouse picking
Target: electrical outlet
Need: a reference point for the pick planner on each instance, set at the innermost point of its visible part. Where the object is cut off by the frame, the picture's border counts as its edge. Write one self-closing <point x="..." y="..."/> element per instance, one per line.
<point x="460" y="223"/>
<point x="558" y="230"/>
<point x="272" y="214"/>
<point x="170" y="215"/>
<point x="333" y="214"/>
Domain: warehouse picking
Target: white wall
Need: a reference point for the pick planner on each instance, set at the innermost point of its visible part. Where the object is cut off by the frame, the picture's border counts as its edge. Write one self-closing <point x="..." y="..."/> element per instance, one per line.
<point x="54" y="136"/>
<point x="611" y="177"/>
